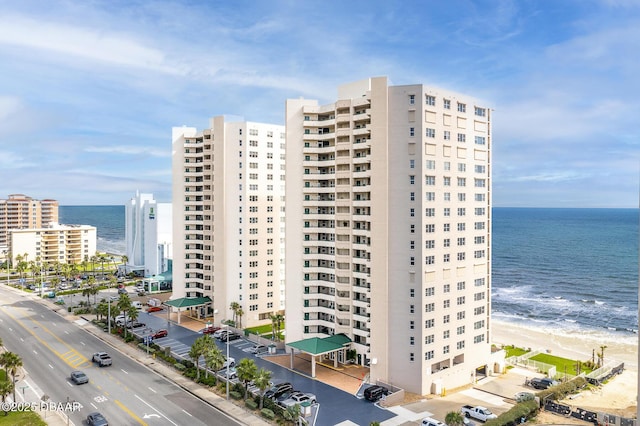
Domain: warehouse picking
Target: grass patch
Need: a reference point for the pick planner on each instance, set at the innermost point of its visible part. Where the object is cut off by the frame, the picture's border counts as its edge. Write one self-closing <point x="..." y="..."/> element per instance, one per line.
<point x="261" y="329"/>
<point x="514" y="351"/>
<point x="561" y="363"/>
<point x="16" y="418"/>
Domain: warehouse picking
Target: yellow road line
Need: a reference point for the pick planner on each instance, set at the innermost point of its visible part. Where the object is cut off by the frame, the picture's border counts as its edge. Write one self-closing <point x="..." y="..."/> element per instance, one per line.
<point x="129" y="412"/>
<point x="46" y="345"/>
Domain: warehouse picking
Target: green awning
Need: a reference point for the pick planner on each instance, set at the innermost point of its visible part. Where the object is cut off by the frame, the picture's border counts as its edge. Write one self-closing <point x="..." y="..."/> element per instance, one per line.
<point x="188" y="302"/>
<point x="319" y="346"/>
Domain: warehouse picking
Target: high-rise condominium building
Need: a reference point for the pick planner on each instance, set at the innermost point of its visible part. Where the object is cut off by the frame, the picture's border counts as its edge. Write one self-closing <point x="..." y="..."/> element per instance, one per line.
<point x="388" y="230"/>
<point x="148" y="234"/>
<point x="70" y="244"/>
<point x="23" y="212"/>
<point x="228" y="210"/>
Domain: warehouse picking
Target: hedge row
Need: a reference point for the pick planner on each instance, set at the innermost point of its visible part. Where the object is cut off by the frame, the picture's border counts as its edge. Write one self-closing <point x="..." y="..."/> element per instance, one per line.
<point x="526" y="409"/>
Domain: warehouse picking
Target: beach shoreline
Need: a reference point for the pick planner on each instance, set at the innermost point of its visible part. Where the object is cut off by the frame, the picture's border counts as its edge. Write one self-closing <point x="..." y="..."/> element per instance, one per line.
<point x="579" y="346"/>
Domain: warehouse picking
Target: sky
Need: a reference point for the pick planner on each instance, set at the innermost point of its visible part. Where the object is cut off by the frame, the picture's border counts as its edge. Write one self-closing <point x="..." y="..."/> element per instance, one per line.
<point x="89" y="90"/>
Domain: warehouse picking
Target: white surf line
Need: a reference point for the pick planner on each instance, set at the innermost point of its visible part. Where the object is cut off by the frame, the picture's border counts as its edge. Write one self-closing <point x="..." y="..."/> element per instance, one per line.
<point x="150" y="406"/>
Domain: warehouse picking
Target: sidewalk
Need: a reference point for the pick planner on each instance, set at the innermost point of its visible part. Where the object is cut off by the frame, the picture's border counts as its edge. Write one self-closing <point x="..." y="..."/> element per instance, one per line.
<point x="229" y="408"/>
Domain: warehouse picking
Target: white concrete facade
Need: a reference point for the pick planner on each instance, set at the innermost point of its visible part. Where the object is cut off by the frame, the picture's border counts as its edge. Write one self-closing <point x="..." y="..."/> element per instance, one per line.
<point x="70" y="244"/>
<point x="148" y="234"/>
<point x="228" y="203"/>
<point x="23" y="212"/>
<point x="388" y="230"/>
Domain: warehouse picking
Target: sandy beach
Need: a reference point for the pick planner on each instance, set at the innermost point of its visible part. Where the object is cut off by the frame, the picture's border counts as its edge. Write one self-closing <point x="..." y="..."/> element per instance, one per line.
<point x="618" y="396"/>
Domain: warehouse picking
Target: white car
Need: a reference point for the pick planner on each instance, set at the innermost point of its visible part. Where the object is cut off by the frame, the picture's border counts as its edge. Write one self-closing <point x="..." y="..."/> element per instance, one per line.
<point x="299" y="398"/>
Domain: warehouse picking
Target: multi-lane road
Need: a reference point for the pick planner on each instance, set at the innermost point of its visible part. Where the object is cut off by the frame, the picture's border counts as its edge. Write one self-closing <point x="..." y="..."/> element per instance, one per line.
<point x="127" y="393"/>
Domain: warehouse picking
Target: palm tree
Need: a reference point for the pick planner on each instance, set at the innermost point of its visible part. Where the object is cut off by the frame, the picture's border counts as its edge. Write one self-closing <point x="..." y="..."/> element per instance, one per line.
<point x="6" y="388"/>
<point x="240" y="313"/>
<point x="454" y="418"/>
<point x="102" y="310"/>
<point x="125" y="260"/>
<point x="11" y="362"/>
<point x="123" y="305"/>
<point x="87" y="291"/>
<point x="247" y="371"/>
<point x="94" y="290"/>
<point x="214" y="360"/>
<point x="294" y="412"/>
<point x="234" y="308"/>
<point x="262" y="382"/>
<point x="197" y="350"/>
<point x="279" y="321"/>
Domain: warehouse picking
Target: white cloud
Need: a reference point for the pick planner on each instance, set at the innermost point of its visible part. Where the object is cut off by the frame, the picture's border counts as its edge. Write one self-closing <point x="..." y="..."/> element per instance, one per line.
<point x="130" y="150"/>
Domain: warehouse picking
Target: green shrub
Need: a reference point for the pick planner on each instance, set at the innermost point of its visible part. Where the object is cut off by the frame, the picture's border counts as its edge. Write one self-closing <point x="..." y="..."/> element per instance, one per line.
<point x="526" y="409"/>
<point x="235" y="395"/>
<point x="251" y="404"/>
<point x="144" y="348"/>
<point x="179" y="367"/>
<point x="188" y="363"/>
<point x="190" y="373"/>
<point x="266" y="413"/>
<point x="563" y="389"/>
<point x="207" y="381"/>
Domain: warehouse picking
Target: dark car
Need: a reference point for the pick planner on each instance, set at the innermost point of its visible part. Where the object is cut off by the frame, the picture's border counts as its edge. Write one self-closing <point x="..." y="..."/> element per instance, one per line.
<point x="135" y="324"/>
<point x="122" y="290"/>
<point x="79" y="378"/>
<point x="541" y="383"/>
<point x="96" y="419"/>
<point x="232" y="336"/>
<point x="375" y="392"/>
<point x="277" y="390"/>
<point x="160" y="333"/>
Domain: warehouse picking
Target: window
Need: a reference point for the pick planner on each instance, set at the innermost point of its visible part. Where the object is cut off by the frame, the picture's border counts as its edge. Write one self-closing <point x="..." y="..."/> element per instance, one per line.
<point x="480" y="169"/>
<point x="460" y="285"/>
<point x="445" y="334"/>
<point x="479" y="282"/>
<point x="462" y="137"/>
<point x="430" y="228"/>
<point x="431" y="133"/>
<point x="429" y="291"/>
<point x="446" y="303"/>
<point x="447" y="181"/>
<point x="462" y="167"/>
<point x="412" y="229"/>
<point x="446" y="288"/>
<point x="461" y="241"/>
<point x="429" y="323"/>
<point x="430" y="165"/>
<point x="447" y="165"/>
<point x="412" y="292"/>
<point x="460" y="300"/>
<point x="479" y="183"/>
<point x="478" y="296"/>
<point x="412" y="342"/>
<point x="479" y="211"/>
<point x="412" y="309"/>
<point x="479" y="310"/>
<point x="412" y="196"/>
<point x="411" y="357"/>
<point x="447" y="211"/>
<point x="462" y="196"/>
<point x="445" y="349"/>
<point x="447" y="196"/>
<point x="461" y="212"/>
<point x="480" y="140"/>
<point x="412" y="131"/>
<point x="462" y="181"/>
<point x="447" y="104"/>
<point x="462" y="107"/>
<point x="412" y="261"/>
<point x="412" y="212"/>
<point x="412" y="164"/>
<point x="480" y="112"/>
<point x="446" y="319"/>
<point x="431" y="196"/>
<point x="480" y="197"/>
<point x="479" y="226"/>
<point x="478" y="325"/>
<point x="429" y="307"/>
<point x="429" y="244"/>
<point x="430" y="180"/>
<point x="412" y="325"/>
<point x="461" y="256"/>
<point x="412" y="179"/>
<point x="412" y="99"/>
<point x="430" y="260"/>
<point x="430" y="212"/>
<point x="478" y="254"/>
<point x="479" y="338"/>
<point x="461" y="226"/>
<point x="446" y="258"/>
<point x="428" y="355"/>
<point x="460" y="330"/>
<point x="430" y="100"/>
<point x="446" y="227"/>
<point x="429" y="339"/>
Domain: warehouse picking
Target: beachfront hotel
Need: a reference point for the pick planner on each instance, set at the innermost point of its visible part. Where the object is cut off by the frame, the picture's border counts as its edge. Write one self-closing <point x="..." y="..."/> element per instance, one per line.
<point x="22" y="212"/>
<point x="70" y="244"/>
<point x="228" y="210"/>
<point x="148" y="235"/>
<point x="388" y="232"/>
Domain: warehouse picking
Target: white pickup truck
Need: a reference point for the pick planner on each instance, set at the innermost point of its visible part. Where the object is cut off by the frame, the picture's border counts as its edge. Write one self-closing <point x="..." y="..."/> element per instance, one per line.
<point x="479" y="413"/>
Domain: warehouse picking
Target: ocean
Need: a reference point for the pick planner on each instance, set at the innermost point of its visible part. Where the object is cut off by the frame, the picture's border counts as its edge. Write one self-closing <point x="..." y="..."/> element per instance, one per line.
<point x="571" y="270"/>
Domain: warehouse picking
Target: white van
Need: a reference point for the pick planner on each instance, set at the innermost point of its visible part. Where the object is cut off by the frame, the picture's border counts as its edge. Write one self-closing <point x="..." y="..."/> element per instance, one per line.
<point x="136" y="304"/>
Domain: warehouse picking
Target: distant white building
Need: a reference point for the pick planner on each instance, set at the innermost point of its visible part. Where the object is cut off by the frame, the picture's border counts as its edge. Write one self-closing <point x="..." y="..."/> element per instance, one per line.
<point x="148" y="232"/>
<point x="55" y="243"/>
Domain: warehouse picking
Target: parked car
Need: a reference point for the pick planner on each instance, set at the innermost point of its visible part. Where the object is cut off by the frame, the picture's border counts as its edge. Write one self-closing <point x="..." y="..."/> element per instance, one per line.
<point x="298" y="398"/>
<point x="135" y="324"/>
<point x="102" y="359"/>
<point x="219" y="333"/>
<point x="209" y="330"/>
<point x="228" y="373"/>
<point x="79" y="378"/>
<point x="230" y="362"/>
<point x="543" y="383"/>
<point x="96" y="419"/>
<point x="277" y="390"/>
<point x="136" y="304"/>
<point x="232" y="336"/>
<point x="375" y="392"/>
<point x="160" y="333"/>
<point x="428" y="421"/>
<point x="122" y="290"/>
<point x="258" y="349"/>
<point x="478" y="413"/>
<point x="154" y="309"/>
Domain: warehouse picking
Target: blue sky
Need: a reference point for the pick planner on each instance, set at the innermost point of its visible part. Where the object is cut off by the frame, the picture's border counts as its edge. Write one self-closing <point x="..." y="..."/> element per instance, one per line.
<point x="89" y="90"/>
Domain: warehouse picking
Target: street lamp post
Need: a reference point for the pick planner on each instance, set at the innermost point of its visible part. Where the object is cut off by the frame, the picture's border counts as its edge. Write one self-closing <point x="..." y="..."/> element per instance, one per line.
<point x="228" y="363"/>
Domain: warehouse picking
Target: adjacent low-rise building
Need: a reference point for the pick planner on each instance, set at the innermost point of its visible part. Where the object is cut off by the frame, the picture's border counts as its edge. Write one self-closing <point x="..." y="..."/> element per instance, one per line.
<point x="71" y="244"/>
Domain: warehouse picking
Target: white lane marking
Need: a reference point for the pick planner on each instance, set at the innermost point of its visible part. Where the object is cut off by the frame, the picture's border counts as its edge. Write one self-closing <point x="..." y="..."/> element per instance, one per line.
<point x="54" y="324"/>
<point x="41" y="315"/>
<point x="34" y="351"/>
<point x="82" y="343"/>
<point x="66" y="331"/>
<point x="21" y="339"/>
<point x="51" y="366"/>
<point x="188" y="414"/>
<point x="152" y="390"/>
<point x="69" y="383"/>
<point x="93" y="405"/>
<point x="10" y="329"/>
<point x="123" y="371"/>
<point x="149" y="405"/>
